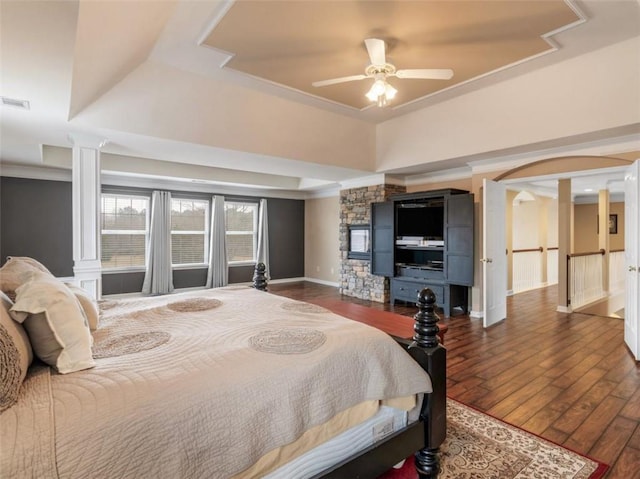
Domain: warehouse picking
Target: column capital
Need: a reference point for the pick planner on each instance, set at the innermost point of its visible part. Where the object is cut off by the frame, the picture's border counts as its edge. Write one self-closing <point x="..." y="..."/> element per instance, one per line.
<point x="87" y="140"/>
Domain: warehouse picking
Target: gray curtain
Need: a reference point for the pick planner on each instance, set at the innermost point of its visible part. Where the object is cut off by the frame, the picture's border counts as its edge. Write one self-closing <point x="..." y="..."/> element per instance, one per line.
<point x="263" y="237"/>
<point x="218" y="273"/>
<point x="159" y="277"/>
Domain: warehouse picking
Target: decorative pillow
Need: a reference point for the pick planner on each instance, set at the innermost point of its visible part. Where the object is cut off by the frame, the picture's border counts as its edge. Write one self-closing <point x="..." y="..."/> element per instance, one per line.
<point x="89" y="305"/>
<point x="16" y="271"/>
<point x="15" y="355"/>
<point x="56" y="325"/>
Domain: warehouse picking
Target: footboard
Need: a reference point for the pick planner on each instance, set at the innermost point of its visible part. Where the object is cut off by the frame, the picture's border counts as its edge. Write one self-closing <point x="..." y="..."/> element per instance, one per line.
<point x="424" y="436"/>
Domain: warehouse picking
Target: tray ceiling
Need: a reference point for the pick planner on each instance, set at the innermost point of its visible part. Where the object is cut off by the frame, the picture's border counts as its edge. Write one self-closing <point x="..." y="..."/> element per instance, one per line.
<point x="296" y="43"/>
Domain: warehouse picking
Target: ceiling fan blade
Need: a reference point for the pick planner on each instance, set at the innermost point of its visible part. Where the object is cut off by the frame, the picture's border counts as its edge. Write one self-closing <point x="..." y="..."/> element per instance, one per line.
<point x="376" y="50"/>
<point x="426" y="73"/>
<point x="333" y="81"/>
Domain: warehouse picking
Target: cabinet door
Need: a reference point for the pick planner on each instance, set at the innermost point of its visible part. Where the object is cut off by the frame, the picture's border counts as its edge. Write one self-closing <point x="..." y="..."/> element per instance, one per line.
<point x="382" y="238"/>
<point x="459" y="239"/>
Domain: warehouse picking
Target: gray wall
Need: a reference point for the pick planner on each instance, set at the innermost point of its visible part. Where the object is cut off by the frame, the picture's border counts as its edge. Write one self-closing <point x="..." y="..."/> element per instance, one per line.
<point x="286" y="238"/>
<point x="286" y="254"/>
<point x="35" y="220"/>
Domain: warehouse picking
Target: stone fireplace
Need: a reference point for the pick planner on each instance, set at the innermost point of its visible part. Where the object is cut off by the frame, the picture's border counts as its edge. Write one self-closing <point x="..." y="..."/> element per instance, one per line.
<point x="355" y="277"/>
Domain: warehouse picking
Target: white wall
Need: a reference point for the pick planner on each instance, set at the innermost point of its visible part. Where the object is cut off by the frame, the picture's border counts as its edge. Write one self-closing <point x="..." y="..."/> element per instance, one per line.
<point x="525" y="225"/>
<point x="586" y="94"/>
<point x="232" y="117"/>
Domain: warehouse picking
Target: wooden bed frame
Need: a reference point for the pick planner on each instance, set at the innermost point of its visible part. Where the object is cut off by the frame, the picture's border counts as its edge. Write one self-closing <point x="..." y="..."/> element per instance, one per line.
<point x="425" y="435"/>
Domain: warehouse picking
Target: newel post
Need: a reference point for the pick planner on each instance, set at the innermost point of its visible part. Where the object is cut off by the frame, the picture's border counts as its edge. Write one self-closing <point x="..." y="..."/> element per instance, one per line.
<point x="432" y="356"/>
<point x="259" y="277"/>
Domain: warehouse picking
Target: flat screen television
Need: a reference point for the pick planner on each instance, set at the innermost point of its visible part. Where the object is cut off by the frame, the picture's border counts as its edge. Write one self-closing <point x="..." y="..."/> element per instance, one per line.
<point x="421" y="219"/>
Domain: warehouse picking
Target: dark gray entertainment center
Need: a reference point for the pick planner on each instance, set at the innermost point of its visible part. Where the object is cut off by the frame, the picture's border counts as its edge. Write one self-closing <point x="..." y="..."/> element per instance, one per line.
<point x="423" y="240"/>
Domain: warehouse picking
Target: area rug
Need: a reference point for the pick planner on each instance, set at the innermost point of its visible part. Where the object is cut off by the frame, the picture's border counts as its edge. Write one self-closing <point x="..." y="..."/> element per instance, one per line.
<point x="479" y="446"/>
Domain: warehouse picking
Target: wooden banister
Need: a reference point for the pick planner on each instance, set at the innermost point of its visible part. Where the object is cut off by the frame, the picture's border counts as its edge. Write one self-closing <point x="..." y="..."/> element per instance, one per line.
<point x="529" y="250"/>
<point x="575" y="255"/>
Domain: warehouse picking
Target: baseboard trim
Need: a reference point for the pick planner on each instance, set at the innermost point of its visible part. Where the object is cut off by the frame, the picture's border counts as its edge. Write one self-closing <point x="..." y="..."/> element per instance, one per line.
<point x="247" y="283"/>
<point x="322" y="281"/>
<point x="476" y="314"/>
<point x="564" y="309"/>
<point x="284" y="280"/>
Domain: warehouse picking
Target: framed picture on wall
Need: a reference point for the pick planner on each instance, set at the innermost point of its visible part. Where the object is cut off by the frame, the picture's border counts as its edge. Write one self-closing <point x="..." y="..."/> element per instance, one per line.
<point x="613" y="224"/>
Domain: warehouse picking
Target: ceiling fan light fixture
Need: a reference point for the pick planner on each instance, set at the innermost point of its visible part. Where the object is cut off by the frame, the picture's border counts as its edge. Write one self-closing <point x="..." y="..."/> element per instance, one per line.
<point x="378" y="88"/>
<point x="389" y="91"/>
<point x="379" y="70"/>
<point x="381" y="92"/>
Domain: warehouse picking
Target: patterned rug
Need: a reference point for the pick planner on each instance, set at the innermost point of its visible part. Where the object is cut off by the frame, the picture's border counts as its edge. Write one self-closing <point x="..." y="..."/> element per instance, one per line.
<point x="479" y="446"/>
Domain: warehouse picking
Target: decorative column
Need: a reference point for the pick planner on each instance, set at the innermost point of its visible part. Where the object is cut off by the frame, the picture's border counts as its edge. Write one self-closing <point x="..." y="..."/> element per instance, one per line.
<point x="87" y="265"/>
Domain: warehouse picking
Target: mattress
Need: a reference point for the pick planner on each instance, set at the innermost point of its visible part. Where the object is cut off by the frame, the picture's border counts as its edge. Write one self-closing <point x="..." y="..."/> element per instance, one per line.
<point x="385" y="422"/>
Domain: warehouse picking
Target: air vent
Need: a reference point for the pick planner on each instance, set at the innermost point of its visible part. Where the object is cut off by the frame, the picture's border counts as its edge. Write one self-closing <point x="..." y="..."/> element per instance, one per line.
<point x="6" y="101"/>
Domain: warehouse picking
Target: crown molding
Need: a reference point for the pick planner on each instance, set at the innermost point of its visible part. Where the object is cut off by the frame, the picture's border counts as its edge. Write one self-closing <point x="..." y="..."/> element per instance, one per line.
<point x="372" y="180"/>
<point x="452" y="174"/>
<point x="324" y="193"/>
<point x="87" y="140"/>
<point x="600" y="147"/>
<point x="151" y="182"/>
<point x="35" y="172"/>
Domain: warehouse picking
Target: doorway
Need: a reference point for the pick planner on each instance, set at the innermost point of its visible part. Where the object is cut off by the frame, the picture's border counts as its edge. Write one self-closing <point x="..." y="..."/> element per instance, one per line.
<point x="613" y="180"/>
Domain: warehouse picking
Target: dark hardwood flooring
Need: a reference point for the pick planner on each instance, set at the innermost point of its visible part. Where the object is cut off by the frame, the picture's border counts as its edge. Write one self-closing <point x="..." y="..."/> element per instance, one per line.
<point x="566" y="377"/>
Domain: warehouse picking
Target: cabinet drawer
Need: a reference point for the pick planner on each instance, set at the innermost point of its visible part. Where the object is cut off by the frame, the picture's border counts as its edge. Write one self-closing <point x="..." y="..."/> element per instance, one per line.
<point x="421" y="273"/>
<point x="408" y="290"/>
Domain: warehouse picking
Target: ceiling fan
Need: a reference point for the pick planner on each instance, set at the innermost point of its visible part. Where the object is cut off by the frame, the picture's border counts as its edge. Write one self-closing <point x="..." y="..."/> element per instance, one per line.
<point x="381" y="91"/>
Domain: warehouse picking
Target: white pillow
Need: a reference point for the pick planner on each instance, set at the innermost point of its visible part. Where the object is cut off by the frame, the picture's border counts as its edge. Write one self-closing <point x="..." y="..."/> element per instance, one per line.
<point x="16" y="271"/>
<point x="89" y="305"/>
<point x="56" y="325"/>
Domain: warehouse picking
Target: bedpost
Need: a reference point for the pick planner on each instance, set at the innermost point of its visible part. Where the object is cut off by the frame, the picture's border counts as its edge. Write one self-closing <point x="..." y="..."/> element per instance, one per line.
<point x="432" y="356"/>
<point x="259" y="277"/>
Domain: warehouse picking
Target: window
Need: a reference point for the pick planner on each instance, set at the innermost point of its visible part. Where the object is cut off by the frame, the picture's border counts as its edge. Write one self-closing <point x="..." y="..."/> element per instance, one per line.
<point x="125" y="230"/>
<point x="241" y="224"/>
<point x="189" y="231"/>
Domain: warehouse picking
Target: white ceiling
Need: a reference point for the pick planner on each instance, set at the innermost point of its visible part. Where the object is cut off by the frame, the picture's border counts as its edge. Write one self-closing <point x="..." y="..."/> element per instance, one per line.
<point x="114" y="70"/>
<point x="585" y="186"/>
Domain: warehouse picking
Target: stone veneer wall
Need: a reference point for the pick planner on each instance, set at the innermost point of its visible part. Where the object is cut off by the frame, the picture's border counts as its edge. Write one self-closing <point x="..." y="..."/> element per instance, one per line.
<point x="355" y="277"/>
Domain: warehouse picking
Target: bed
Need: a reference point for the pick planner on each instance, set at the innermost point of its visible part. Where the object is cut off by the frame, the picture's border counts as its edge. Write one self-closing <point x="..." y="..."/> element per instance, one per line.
<point x="231" y="382"/>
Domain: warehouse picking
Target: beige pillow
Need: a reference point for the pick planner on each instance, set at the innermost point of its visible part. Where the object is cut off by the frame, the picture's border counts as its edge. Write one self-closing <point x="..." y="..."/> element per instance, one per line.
<point x="16" y="271"/>
<point x="89" y="305"/>
<point x="56" y="325"/>
<point x="15" y="355"/>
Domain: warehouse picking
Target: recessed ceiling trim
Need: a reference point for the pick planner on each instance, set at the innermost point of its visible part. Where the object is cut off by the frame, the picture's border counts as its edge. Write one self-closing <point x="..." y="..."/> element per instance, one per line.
<point x="263" y="54"/>
<point x="217" y="15"/>
<point x="322" y="99"/>
<point x="553" y="47"/>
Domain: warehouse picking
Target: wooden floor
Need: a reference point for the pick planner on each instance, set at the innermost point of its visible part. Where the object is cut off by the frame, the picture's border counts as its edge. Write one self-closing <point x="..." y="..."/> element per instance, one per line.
<point x="566" y="377"/>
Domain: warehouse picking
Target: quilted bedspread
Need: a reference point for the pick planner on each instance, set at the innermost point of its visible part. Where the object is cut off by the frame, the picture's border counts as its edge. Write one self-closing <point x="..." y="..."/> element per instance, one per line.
<point x="198" y="384"/>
